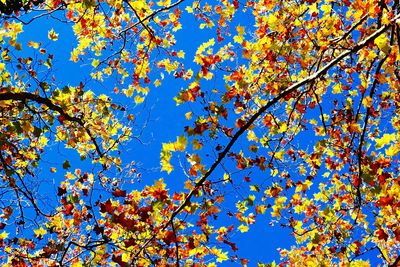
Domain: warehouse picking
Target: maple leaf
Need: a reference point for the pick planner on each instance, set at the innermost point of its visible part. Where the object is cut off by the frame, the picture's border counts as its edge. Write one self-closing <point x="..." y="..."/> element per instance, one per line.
<point x="383" y="43"/>
<point x="52" y="35"/>
<point x="40" y="232"/>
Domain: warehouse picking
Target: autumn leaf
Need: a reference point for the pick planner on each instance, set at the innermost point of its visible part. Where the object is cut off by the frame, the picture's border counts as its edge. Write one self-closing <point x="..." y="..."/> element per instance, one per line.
<point x="66" y="165"/>
<point x="383" y="43"/>
<point x="385" y="140"/>
<point x="52" y="35"/>
<point x="40" y="232"/>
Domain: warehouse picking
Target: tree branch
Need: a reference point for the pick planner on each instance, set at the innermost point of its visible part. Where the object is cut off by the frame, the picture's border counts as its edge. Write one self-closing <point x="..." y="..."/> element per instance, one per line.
<point x="263" y="109"/>
<point x="275" y="100"/>
<point x="25" y="96"/>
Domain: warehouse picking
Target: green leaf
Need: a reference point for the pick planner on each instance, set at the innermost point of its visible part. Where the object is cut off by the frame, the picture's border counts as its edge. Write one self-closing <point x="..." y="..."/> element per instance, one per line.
<point x="66" y="165"/>
<point x="66" y="90"/>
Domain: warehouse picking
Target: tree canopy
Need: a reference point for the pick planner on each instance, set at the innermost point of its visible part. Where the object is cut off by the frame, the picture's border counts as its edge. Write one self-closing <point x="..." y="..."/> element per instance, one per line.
<point x="288" y="112"/>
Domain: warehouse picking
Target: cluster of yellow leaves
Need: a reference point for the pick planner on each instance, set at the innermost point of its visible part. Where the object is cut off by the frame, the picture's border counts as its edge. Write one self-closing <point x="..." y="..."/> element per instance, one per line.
<point x="10" y="31"/>
<point x="167" y="149"/>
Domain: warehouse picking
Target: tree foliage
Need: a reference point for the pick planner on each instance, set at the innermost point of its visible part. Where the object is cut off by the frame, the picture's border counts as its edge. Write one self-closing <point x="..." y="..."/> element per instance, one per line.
<point x="292" y="115"/>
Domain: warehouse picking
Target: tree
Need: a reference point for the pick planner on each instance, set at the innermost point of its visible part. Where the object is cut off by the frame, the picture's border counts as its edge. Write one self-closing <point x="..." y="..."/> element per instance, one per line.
<point x="292" y="115"/>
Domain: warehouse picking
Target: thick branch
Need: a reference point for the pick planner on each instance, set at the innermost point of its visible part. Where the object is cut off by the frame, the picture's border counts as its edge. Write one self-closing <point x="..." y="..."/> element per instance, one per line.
<point x="275" y="100"/>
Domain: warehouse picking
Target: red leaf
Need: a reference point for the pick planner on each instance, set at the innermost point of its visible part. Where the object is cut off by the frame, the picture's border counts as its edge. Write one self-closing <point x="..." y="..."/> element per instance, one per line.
<point x="233" y="245"/>
<point x="397" y="233"/>
<point x="382" y="235"/>
<point x="356" y="181"/>
<point x="130" y="242"/>
<point x="61" y="119"/>
<point x="239" y="123"/>
<point x="119" y="193"/>
<point x="70" y="14"/>
<point x="240" y="163"/>
<point x="384" y="201"/>
<point x="236" y="4"/>
<point x="106" y="207"/>
<point x="227" y="131"/>
<point x="267" y="120"/>
<point x="169" y="238"/>
<point x="68" y="207"/>
<point x="347" y="2"/>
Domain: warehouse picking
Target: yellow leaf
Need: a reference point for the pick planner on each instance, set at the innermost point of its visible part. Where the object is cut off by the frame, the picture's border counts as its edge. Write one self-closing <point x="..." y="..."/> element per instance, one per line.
<point x="313" y="122"/>
<point x="383" y="43"/>
<point x="33" y="44"/>
<point x="139" y="5"/>
<point x="125" y="257"/>
<point x="326" y="8"/>
<point x="238" y="39"/>
<point x="69" y="175"/>
<point x="181" y="143"/>
<point x="76" y="264"/>
<point x="313" y="9"/>
<point x="40" y="232"/>
<point x="3" y="235"/>
<point x="386" y="139"/>
<point x="279" y="155"/>
<point x="251" y="136"/>
<point x="392" y="150"/>
<point x="189" y="9"/>
<point x="43" y="140"/>
<point x="337" y="88"/>
<point x="188" y="115"/>
<point x="243" y="228"/>
<point x="240" y="30"/>
<point x="205" y="45"/>
<point x="138" y="99"/>
<point x="95" y="63"/>
<point x="5" y="56"/>
<point x="164" y="3"/>
<point x="188" y="185"/>
<point x="157" y="83"/>
<point x="181" y="54"/>
<point x="166" y="166"/>
<point x="273" y="22"/>
<point x="367" y="102"/>
<point x="197" y="145"/>
<point x="221" y="256"/>
<point x="274" y="172"/>
<point x="283" y="128"/>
